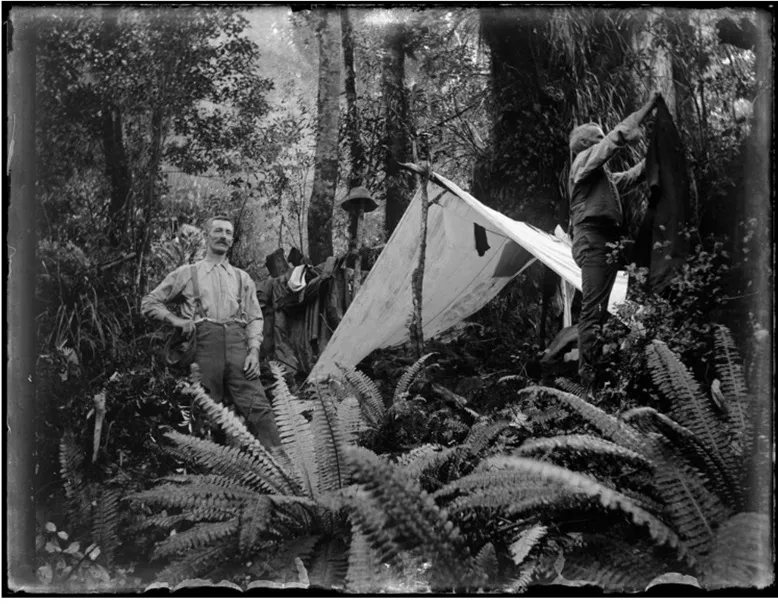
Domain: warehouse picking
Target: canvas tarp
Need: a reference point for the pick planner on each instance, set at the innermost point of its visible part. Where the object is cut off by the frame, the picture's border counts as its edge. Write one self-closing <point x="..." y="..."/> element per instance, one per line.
<point x="473" y="252"/>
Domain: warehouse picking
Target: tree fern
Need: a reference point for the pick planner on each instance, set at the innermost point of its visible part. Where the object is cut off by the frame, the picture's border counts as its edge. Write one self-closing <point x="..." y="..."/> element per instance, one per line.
<point x="409" y="376"/>
<point x="294" y="431"/>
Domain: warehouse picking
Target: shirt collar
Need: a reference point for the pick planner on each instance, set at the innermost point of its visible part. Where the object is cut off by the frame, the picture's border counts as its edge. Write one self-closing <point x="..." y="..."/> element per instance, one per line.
<point x="209" y="265"/>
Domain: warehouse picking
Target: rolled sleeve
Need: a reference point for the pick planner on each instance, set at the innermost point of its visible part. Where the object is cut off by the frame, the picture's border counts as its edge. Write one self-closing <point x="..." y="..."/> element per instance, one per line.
<point x="154" y="304"/>
<point x="593" y="158"/>
<point x="255" y="321"/>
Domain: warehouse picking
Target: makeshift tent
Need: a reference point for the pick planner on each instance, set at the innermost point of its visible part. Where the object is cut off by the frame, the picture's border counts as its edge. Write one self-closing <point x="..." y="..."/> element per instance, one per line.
<point x="473" y="252"/>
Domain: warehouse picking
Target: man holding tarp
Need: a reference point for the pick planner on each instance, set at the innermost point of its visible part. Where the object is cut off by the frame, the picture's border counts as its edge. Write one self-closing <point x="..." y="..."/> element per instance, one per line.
<point x="597" y="219"/>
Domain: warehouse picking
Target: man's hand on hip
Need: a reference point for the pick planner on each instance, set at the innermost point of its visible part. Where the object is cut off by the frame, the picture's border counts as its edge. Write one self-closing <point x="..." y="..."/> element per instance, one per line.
<point x="251" y="365"/>
<point x="185" y="325"/>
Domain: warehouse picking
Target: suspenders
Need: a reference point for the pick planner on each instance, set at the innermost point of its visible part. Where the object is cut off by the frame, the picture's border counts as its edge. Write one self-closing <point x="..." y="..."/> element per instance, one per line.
<point x="199" y="312"/>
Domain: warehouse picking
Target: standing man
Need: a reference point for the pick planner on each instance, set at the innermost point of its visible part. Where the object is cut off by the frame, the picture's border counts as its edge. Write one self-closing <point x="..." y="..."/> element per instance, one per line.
<point x="220" y="303"/>
<point x="597" y="219"/>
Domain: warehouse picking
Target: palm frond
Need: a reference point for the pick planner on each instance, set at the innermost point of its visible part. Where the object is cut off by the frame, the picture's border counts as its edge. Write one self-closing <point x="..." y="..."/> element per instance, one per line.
<point x="294" y="431"/>
<point x="409" y="376"/>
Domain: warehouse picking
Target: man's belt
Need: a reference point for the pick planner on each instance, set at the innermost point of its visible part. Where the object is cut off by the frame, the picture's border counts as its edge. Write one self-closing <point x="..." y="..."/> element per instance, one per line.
<point x="227" y="322"/>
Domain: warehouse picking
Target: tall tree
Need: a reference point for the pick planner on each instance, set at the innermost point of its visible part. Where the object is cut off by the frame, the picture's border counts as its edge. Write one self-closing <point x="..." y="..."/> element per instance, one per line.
<point x="356" y="147"/>
<point x="325" y="174"/>
<point x="398" y="144"/>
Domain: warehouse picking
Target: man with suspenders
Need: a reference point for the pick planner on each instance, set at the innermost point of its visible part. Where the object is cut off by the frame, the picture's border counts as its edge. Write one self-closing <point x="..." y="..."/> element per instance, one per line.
<point x="219" y="301"/>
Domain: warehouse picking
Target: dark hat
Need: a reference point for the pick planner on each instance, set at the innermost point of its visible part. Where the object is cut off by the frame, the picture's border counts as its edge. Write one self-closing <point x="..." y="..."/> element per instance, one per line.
<point x="180" y="349"/>
<point x="358" y="197"/>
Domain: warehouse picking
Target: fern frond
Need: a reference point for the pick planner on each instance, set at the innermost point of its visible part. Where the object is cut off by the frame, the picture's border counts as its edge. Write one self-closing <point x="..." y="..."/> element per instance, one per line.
<point x="608" y="498"/>
<point x="690" y="448"/>
<point x="243" y="466"/>
<point x="410" y="518"/>
<point x="733" y="382"/>
<point x="234" y="427"/>
<point x="187" y="497"/>
<point x="570" y="387"/>
<point x="294" y="431"/>
<point x="363" y="567"/>
<point x="370" y="397"/>
<point x="253" y="523"/>
<point x="611" y="428"/>
<point x="328" y="566"/>
<point x="584" y="443"/>
<point x="197" y="563"/>
<point x="105" y="523"/>
<point x="484" y="567"/>
<point x="689" y="406"/>
<point x="71" y="470"/>
<point x="524" y="579"/>
<point x="409" y="376"/>
<point x="202" y="535"/>
<point x="742" y="555"/>
<point x="351" y="420"/>
<point x="329" y="444"/>
<point x="612" y="565"/>
<point x="418" y="453"/>
<point x="527" y="539"/>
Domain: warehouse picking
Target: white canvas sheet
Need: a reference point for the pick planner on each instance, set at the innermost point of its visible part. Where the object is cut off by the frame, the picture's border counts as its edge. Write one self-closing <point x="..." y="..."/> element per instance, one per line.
<point x="457" y="281"/>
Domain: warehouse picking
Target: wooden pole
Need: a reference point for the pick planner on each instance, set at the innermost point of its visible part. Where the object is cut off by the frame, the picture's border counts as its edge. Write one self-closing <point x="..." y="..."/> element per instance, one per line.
<point x="416" y="332"/>
<point x="20" y="261"/>
<point x="360" y="217"/>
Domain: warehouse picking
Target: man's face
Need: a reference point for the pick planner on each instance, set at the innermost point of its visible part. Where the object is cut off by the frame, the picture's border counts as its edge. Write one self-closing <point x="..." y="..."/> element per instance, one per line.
<point x="220" y="236"/>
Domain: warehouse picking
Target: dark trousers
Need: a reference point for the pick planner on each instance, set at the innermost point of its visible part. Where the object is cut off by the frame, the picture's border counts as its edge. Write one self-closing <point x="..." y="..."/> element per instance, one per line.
<point x="221" y="353"/>
<point x="590" y="252"/>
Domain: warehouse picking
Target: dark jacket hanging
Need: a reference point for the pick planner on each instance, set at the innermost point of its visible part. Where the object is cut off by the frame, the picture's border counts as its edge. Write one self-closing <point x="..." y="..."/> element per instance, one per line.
<point x="668" y="204"/>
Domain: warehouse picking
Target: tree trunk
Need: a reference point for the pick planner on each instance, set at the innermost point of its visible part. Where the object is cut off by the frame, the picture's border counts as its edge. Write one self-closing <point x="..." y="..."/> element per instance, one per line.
<point x="356" y="148"/>
<point x="648" y="43"/>
<point x="117" y="169"/>
<point x="398" y="145"/>
<point x="20" y="426"/>
<point x="325" y="173"/>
